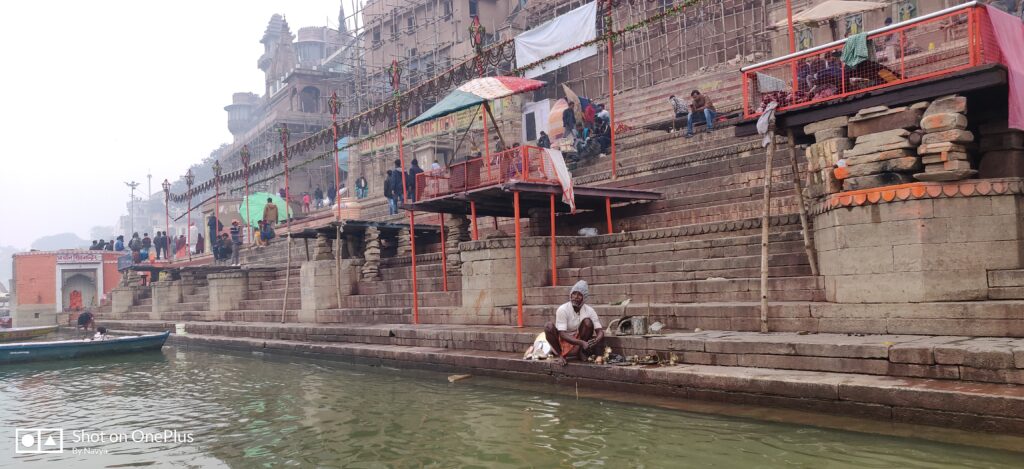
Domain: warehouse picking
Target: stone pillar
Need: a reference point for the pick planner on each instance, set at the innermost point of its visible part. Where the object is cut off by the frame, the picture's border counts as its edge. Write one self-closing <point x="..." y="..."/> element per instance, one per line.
<point x="121" y="300"/>
<point x="323" y="248"/>
<point x="404" y="247"/>
<point x="371" y="253"/>
<point x="540" y="222"/>
<point x="456" y="231"/>
<point x="318" y="286"/>
<point x="489" y="277"/>
<point x="165" y="294"/>
<point x="227" y="289"/>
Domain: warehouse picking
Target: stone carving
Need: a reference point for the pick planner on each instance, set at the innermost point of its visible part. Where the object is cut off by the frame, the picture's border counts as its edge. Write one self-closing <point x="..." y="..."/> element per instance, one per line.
<point x="371" y="254"/>
<point x="323" y="248"/>
<point x="456" y="231"/>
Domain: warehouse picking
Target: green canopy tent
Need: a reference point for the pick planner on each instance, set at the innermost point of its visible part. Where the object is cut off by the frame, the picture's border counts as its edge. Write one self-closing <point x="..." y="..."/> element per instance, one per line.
<point x="256" y="202"/>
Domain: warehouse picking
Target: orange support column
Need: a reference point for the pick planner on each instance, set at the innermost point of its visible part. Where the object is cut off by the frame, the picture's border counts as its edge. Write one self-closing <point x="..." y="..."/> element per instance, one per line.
<point x="519" y="263"/>
<point x="608" y="212"/>
<point x="472" y="214"/>
<point x="444" y="254"/>
<point x="554" y="248"/>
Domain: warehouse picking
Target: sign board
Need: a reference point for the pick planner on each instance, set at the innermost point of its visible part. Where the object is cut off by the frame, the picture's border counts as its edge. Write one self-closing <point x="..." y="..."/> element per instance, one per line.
<point x="124" y="262"/>
<point x="79" y="257"/>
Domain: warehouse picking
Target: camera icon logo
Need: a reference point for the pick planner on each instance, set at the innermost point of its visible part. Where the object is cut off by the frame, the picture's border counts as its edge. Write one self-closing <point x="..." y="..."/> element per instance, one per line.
<point x="39" y="440"/>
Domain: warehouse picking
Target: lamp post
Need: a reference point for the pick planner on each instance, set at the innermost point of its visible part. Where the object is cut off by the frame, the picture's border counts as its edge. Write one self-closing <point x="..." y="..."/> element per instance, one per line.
<point x="245" y="170"/>
<point x="189" y="179"/>
<point x="167" y="216"/>
<point x="334" y="105"/>
<point x="216" y="195"/>
<point x="287" y="191"/>
<point x="131" y="207"/>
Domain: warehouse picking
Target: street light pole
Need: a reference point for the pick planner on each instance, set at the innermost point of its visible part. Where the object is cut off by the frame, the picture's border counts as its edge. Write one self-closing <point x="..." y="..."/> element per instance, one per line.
<point x="189" y="179"/>
<point x="337" y="173"/>
<point x="216" y="196"/>
<point x="287" y="190"/>
<point x="131" y="206"/>
<point x="167" y="217"/>
<point x="245" y="169"/>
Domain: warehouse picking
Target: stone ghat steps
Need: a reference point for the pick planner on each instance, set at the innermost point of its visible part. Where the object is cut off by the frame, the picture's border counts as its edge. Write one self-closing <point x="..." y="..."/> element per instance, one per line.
<point x="694" y="291"/>
<point x="982" y="406"/>
<point x="140" y="308"/>
<point x="404" y="272"/>
<point x="392" y="300"/>
<point x="975" y="318"/>
<point x="275" y="293"/>
<point x="783" y="316"/>
<point x="691" y="269"/>
<point x="385" y="315"/>
<point x="275" y="304"/>
<point x="1006" y="284"/>
<point x="943" y="357"/>
<point x="423" y="284"/>
<point x="195" y="306"/>
<point x="644" y="147"/>
<point x="196" y="298"/>
<point x="265" y="315"/>
<point x="145" y="301"/>
<point x="688" y="249"/>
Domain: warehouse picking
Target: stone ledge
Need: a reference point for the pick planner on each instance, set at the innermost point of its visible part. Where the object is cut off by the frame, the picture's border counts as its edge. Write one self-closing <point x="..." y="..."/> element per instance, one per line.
<point x="988" y="407"/>
<point x="918" y="191"/>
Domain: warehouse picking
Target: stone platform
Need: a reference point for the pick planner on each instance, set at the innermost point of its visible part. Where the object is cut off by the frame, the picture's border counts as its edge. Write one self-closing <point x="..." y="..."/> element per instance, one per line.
<point x="967" y="382"/>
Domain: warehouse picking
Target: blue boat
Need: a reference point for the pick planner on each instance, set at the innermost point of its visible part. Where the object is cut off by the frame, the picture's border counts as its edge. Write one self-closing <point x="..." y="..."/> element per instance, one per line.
<point x="68" y="349"/>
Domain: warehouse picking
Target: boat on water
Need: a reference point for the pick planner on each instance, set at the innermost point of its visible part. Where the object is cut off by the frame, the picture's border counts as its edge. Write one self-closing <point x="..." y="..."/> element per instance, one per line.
<point x="21" y="333"/>
<point x="67" y="349"/>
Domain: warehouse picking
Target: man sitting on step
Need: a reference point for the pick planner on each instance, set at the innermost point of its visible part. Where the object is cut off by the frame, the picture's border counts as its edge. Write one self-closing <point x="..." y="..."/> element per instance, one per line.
<point x="577" y="331"/>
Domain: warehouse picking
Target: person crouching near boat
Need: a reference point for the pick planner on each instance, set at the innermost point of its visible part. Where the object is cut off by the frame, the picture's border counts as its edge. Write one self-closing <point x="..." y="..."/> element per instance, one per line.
<point x="86" y="320"/>
<point x="577" y="331"/>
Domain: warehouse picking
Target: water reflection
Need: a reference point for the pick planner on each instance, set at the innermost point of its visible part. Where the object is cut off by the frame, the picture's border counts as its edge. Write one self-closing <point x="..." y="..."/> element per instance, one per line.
<point x="267" y="411"/>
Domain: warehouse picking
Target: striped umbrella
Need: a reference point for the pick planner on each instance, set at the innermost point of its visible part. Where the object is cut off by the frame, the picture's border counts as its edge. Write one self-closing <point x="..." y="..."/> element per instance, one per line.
<point x="476" y="92"/>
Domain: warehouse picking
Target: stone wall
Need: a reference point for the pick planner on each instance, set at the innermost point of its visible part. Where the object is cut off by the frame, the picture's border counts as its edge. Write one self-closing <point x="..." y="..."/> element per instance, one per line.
<point x="918" y="250"/>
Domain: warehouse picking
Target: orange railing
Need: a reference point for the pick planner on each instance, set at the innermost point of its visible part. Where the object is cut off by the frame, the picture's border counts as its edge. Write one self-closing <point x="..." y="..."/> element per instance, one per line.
<point x="929" y="46"/>
<point x="526" y="163"/>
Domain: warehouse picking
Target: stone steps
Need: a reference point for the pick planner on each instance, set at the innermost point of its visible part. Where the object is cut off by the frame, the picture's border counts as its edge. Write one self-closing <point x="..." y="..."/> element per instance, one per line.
<point x="784" y="242"/>
<point x="197" y="298"/>
<point x="275" y="304"/>
<point x="391" y="300"/>
<point x="141" y="308"/>
<point x="946" y="357"/>
<point x="262" y="315"/>
<point x="1006" y="284"/>
<point x="191" y="306"/>
<point x="664" y="271"/>
<point x="145" y="302"/>
<point x="696" y="291"/>
<point x="423" y="284"/>
<point x="946" y="401"/>
<point x="294" y="291"/>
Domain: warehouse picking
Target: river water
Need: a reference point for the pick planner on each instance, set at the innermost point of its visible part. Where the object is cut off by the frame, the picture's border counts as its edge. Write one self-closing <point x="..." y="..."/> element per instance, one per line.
<point x="231" y="409"/>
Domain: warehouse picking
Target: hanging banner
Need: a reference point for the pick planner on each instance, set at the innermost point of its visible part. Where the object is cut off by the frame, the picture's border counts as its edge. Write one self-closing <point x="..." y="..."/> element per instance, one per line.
<point x="565" y="32"/>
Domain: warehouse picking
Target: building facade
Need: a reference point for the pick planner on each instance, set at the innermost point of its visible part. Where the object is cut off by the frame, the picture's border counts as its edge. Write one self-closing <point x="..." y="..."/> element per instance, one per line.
<point x="49" y="284"/>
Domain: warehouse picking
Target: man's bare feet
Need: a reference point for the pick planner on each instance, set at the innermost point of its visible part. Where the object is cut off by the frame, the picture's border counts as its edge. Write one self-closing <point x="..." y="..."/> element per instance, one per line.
<point x="561" y="360"/>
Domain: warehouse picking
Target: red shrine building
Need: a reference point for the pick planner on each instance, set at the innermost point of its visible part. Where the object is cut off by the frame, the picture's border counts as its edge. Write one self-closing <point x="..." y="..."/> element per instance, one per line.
<point x="49" y="284"/>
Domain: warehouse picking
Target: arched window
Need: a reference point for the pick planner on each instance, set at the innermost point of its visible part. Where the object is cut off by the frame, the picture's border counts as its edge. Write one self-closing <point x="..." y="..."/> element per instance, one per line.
<point x="309" y="100"/>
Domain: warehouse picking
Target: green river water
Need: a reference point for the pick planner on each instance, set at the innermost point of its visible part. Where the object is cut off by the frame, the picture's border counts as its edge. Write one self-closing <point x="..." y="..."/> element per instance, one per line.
<point x="231" y="409"/>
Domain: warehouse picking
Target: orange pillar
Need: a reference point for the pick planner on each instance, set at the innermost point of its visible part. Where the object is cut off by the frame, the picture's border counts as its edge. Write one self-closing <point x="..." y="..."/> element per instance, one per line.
<point x="608" y="212"/>
<point x="554" y="249"/>
<point x="472" y="214"/>
<point x="444" y="254"/>
<point x="519" y="263"/>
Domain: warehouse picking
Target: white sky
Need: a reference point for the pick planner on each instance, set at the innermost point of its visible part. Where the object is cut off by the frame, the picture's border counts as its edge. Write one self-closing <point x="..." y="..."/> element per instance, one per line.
<point x="101" y="92"/>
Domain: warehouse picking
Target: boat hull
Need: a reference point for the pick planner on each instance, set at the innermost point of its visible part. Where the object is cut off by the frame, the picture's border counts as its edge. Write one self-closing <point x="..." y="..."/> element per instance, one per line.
<point x="65" y="350"/>
<point x="22" y="333"/>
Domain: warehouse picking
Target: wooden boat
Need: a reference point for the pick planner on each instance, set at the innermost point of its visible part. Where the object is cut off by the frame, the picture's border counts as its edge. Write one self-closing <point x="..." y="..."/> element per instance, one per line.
<point x="22" y="333"/>
<point x="67" y="349"/>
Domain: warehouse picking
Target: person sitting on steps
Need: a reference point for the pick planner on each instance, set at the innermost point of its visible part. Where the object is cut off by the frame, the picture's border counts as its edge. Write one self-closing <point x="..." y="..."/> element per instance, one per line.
<point x="577" y="331"/>
<point x="701" y="104"/>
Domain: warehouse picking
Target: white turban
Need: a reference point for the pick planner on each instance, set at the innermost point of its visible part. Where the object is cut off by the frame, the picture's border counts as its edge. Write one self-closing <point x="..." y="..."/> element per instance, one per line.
<point x="581" y="287"/>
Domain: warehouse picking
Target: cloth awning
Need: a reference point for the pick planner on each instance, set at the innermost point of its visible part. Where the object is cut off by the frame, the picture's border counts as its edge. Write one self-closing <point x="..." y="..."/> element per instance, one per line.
<point x="475" y="92"/>
<point x="831" y="9"/>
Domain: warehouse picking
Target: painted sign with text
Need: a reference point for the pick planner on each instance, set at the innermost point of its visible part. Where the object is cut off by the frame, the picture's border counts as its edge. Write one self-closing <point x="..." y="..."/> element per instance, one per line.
<point x="79" y="257"/>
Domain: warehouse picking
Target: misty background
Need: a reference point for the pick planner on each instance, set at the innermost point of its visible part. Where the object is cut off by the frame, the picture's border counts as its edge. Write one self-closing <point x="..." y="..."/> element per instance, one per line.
<point x="102" y="93"/>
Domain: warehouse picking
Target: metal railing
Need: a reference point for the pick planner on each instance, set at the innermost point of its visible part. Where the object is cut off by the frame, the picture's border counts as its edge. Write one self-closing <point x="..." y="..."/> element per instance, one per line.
<point x="525" y="163"/>
<point x="929" y="46"/>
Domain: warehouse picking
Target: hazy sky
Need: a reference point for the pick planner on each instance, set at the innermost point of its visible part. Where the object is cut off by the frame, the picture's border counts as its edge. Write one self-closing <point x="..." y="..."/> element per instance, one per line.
<point x="101" y="92"/>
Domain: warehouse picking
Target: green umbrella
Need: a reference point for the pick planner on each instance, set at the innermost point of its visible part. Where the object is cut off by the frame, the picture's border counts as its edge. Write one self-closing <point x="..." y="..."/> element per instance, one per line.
<point x="256" y="203"/>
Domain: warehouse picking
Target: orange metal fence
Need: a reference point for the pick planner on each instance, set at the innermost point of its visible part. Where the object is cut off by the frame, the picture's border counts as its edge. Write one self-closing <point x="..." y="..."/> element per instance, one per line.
<point x="932" y="45"/>
<point x="482" y="172"/>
